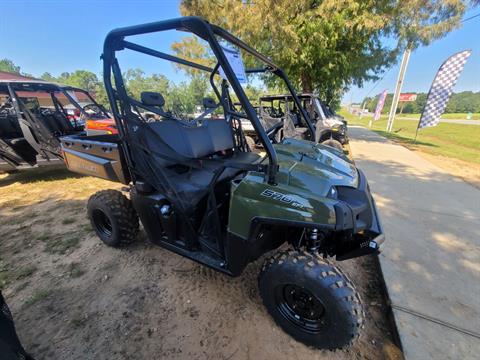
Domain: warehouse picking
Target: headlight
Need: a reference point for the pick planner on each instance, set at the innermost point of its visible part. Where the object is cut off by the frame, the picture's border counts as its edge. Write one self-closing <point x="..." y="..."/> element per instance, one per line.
<point x="332" y="193"/>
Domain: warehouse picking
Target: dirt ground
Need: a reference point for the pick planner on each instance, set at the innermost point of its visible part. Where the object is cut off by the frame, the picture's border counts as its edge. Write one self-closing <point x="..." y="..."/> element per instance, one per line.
<point x="74" y="298"/>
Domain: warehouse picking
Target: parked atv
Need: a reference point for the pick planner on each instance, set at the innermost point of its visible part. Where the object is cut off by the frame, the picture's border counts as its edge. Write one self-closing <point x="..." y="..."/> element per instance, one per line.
<point x="33" y="115"/>
<point x="281" y="118"/>
<point x="201" y="193"/>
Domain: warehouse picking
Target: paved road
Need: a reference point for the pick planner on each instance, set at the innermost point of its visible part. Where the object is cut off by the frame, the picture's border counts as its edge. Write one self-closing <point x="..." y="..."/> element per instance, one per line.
<point x="451" y="121"/>
<point x="431" y="259"/>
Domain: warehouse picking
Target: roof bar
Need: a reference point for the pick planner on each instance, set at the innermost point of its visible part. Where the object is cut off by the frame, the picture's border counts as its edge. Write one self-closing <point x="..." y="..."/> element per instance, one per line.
<point x="161" y="55"/>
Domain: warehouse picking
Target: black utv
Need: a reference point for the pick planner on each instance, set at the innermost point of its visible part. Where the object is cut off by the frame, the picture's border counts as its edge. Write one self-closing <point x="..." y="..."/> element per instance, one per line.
<point x="200" y="192"/>
<point x="281" y="118"/>
<point x="33" y="115"/>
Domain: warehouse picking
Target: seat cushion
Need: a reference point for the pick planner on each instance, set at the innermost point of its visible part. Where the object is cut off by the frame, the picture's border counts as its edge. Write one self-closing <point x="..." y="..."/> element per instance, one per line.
<point x="195" y="142"/>
<point x="194" y="183"/>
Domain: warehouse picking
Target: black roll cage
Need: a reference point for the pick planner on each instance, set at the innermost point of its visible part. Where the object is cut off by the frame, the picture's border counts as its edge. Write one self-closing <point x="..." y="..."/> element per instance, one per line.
<point x="287" y="98"/>
<point x="115" y="41"/>
<point x="47" y="87"/>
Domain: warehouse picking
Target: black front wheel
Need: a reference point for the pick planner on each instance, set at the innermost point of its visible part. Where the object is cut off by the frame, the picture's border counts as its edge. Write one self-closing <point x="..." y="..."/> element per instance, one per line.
<point x="113" y="217"/>
<point x="311" y="299"/>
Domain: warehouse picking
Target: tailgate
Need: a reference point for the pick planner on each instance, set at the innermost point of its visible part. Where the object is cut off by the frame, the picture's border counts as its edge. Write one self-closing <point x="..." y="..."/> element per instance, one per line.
<point x="99" y="156"/>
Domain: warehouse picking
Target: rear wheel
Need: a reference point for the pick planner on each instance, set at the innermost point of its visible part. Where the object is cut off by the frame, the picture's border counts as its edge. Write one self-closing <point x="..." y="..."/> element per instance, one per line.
<point x="311" y="299"/>
<point x="113" y="217"/>
<point x="333" y="143"/>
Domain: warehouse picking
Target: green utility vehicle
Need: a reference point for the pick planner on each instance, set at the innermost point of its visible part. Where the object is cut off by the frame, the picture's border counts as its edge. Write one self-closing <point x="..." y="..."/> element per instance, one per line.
<point x="200" y="192"/>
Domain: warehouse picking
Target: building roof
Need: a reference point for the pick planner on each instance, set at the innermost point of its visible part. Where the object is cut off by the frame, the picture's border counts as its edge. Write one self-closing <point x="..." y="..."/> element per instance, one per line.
<point x="11" y="76"/>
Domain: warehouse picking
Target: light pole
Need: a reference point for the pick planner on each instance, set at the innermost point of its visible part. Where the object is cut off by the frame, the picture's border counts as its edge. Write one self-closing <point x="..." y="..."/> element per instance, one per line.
<point x="398" y="88"/>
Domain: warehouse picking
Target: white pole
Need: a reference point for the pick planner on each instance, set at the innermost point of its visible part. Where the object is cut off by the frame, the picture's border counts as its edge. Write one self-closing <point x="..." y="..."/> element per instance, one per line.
<point x="398" y="88"/>
<point x="363" y="108"/>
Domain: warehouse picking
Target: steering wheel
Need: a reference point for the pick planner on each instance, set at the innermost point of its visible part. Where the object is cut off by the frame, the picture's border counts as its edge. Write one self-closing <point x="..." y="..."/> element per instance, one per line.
<point x="46" y="111"/>
<point x="92" y="108"/>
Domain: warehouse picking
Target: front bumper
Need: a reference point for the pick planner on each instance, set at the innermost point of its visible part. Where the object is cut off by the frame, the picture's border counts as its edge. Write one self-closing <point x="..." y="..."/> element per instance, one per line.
<point x="357" y="221"/>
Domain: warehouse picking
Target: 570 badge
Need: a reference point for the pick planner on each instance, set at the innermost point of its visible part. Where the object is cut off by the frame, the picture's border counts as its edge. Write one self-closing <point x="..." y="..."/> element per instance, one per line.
<point x="281" y="197"/>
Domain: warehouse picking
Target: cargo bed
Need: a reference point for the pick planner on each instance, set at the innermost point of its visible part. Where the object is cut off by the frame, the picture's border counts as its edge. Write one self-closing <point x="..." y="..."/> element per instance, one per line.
<point x="98" y="155"/>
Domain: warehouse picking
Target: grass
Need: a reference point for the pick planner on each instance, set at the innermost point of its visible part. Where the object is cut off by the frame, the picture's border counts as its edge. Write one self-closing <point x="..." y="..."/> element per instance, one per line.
<point x="75" y="270"/>
<point x="37" y="296"/>
<point x="59" y="243"/>
<point x="451" y="140"/>
<point x="7" y="275"/>
<point x="461" y="116"/>
<point x="68" y="221"/>
<point x="25" y="271"/>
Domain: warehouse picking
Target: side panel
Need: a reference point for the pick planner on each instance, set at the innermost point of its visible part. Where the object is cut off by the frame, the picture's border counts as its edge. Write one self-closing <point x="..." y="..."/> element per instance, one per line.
<point x="95" y="158"/>
<point x="253" y="197"/>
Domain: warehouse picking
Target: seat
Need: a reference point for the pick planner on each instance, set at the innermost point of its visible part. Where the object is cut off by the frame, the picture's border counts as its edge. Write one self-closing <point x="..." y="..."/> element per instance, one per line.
<point x="194" y="184"/>
<point x="9" y="127"/>
<point x="193" y="142"/>
<point x="54" y="122"/>
<point x="204" y="143"/>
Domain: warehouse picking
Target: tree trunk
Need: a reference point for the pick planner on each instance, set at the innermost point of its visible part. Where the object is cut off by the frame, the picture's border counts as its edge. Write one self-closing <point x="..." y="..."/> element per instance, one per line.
<point x="306" y="80"/>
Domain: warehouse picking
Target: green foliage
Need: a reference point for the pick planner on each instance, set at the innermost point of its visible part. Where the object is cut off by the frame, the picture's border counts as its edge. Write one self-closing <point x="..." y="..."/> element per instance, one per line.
<point x="327" y="46"/>
<point x="48" y="77"/>
<point x="83" y="79"/>
<point x="9" y="66"/>
<point x="37" y="296"/>
<point x="195" y="50"/>
<point x="462" y="102"/>
<point x="419" y="22"/>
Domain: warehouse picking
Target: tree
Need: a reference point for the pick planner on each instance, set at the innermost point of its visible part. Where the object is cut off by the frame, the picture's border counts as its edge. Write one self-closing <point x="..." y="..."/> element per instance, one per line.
<point x="48" y="77"/>
<point x="327" y="46"/>
<point x="193" y="49"/>
<point x="419" y="22"/>
<point x="136" y="82"/>
<point x="9" y="66"/>
<point x="83" y="79"/>
<point x="463" y="102"/>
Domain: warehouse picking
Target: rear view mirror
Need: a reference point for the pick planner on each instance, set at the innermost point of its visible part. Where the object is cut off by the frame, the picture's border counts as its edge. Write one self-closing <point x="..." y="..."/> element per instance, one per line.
<point x="150" y="98"/>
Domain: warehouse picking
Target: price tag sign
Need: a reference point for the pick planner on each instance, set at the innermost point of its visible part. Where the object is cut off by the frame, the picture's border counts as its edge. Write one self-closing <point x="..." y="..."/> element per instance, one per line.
<point x="234" y="58"/>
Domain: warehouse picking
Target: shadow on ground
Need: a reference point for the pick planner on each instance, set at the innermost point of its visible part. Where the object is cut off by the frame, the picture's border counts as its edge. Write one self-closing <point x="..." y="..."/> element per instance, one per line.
<point x="432" y="225"/>
<point x="28" y="176"/>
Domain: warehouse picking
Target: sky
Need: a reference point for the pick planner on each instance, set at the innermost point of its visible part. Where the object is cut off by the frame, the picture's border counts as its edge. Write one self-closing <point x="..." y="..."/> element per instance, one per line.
<point x="425" y="62"/>
<point x="64" y="35"/>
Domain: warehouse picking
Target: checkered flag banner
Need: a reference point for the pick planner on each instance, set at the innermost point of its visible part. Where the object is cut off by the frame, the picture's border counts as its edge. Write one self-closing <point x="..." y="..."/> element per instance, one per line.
<point x="442" y="88"/>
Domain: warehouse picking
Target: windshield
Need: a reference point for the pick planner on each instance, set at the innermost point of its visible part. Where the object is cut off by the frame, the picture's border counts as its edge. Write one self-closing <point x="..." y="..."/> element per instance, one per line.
<point x="321" y="109"/>
<point x="83" y="105"/>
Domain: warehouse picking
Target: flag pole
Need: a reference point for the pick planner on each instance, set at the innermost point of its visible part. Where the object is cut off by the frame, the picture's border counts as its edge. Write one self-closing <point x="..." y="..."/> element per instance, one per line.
<point x="398" y="88"/>
<point x="416" y="133"/>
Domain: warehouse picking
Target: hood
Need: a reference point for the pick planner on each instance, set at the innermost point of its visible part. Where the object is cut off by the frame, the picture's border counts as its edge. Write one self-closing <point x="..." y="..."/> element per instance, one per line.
<point x="332" y="122"/>
<point x="313" y="167"/>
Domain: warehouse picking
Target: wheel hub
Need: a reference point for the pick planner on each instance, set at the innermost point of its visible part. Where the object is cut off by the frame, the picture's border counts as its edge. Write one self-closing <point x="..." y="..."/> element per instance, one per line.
<point x="102" y="222"/>
<point x="300" y="306"/>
